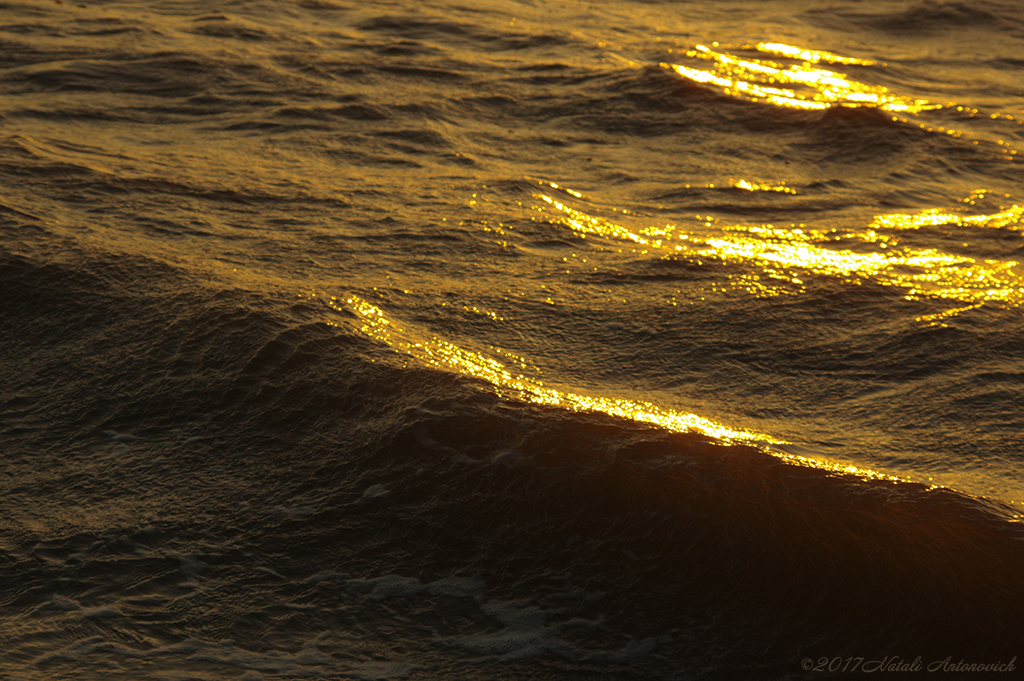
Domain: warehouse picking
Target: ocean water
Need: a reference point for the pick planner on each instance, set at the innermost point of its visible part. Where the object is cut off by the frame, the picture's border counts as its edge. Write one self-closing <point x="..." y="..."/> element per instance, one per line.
<point x="510" y="339"/>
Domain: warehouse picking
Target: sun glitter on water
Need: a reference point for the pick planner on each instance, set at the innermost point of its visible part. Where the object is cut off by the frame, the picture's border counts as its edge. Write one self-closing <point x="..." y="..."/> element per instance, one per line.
<point x="445" y="355"/>
<point x="435" y="352"/>
<point x="789" y="254"/>
<point x="803" y="85"/>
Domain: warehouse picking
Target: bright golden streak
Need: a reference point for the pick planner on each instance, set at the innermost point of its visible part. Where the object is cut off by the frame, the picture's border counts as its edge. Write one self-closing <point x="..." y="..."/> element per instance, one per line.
<point x="585" y="224"/>
<point x="836" y="468"/>
<point x="786" y="255"/>
<point x="933" y="319"/>
<point x="566" y="189"/>
<point x="732" y="87"/>
<point x="447" y="356"/>
<point x="1011" y="217"/>
<point x="757" y="80"/>
<point x="441" y="354"/>
<point x="762" y="187"/>
<point x="813" y="56"/>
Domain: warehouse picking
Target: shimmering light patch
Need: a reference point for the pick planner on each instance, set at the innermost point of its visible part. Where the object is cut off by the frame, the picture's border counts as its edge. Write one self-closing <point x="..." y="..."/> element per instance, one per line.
<point x="762" y="187"/>
<point x="923" y="273"/>
<point x="836" y="468"/>
<point x="749" y="186"/>
<point x="761" y="80"/>
<point x="1009" y="218"/>
<point x="485" y="313"/>
<point x="789" y="255"/>
<point x="441" y="354"/>
<point x="741" y="88"/>
<point x="811" y="56"/>
<point x="933" y="319"/>
<point x="447" y="356"/>
<point x="565" y="189"/>
<point x="584" y="224"/>
<point x="976" y="195"/>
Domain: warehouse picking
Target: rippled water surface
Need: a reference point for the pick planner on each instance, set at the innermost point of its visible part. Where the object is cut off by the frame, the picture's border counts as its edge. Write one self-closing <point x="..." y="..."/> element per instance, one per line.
<point x="653" y="340"/>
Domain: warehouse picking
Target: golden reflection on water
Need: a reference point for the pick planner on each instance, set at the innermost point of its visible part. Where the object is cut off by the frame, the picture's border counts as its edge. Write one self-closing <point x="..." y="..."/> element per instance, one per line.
<point x="762" y="187"/>
<point x="444" y="355"/>
<point x="798" y="86"/>
<point x="773" y="255"/>
<point x="1008" y="218"/>
<point x="584" y="224"/>
<point x="810" y="56"/>
<point x="836" y="468"/>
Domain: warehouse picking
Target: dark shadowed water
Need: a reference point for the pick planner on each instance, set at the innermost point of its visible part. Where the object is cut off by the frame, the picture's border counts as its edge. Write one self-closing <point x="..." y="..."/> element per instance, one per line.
<point x="510" y="339"/>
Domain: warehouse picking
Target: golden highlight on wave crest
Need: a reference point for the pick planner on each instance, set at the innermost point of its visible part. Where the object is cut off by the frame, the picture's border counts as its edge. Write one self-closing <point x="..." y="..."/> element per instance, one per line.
<point x="811" y="56"/>
<point x="1007" y="218"/>
<point x="374" y="323"/>
<point x="798" y="86"/>
<point x="441" y="354"/>
<point x="788" y="255"/>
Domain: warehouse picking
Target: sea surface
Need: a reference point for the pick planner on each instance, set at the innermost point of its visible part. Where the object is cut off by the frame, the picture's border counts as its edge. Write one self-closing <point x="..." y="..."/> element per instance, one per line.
<point x="511" y="339"/>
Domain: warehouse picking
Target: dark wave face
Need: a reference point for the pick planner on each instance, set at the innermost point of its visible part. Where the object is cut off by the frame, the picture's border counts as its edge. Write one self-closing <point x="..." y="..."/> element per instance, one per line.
<point x="637" y="340"/>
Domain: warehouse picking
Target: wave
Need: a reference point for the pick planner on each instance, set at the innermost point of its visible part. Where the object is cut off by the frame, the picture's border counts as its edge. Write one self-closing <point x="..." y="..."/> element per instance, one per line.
<point x="218" y="407"/>
<point x="308" y="374"/>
